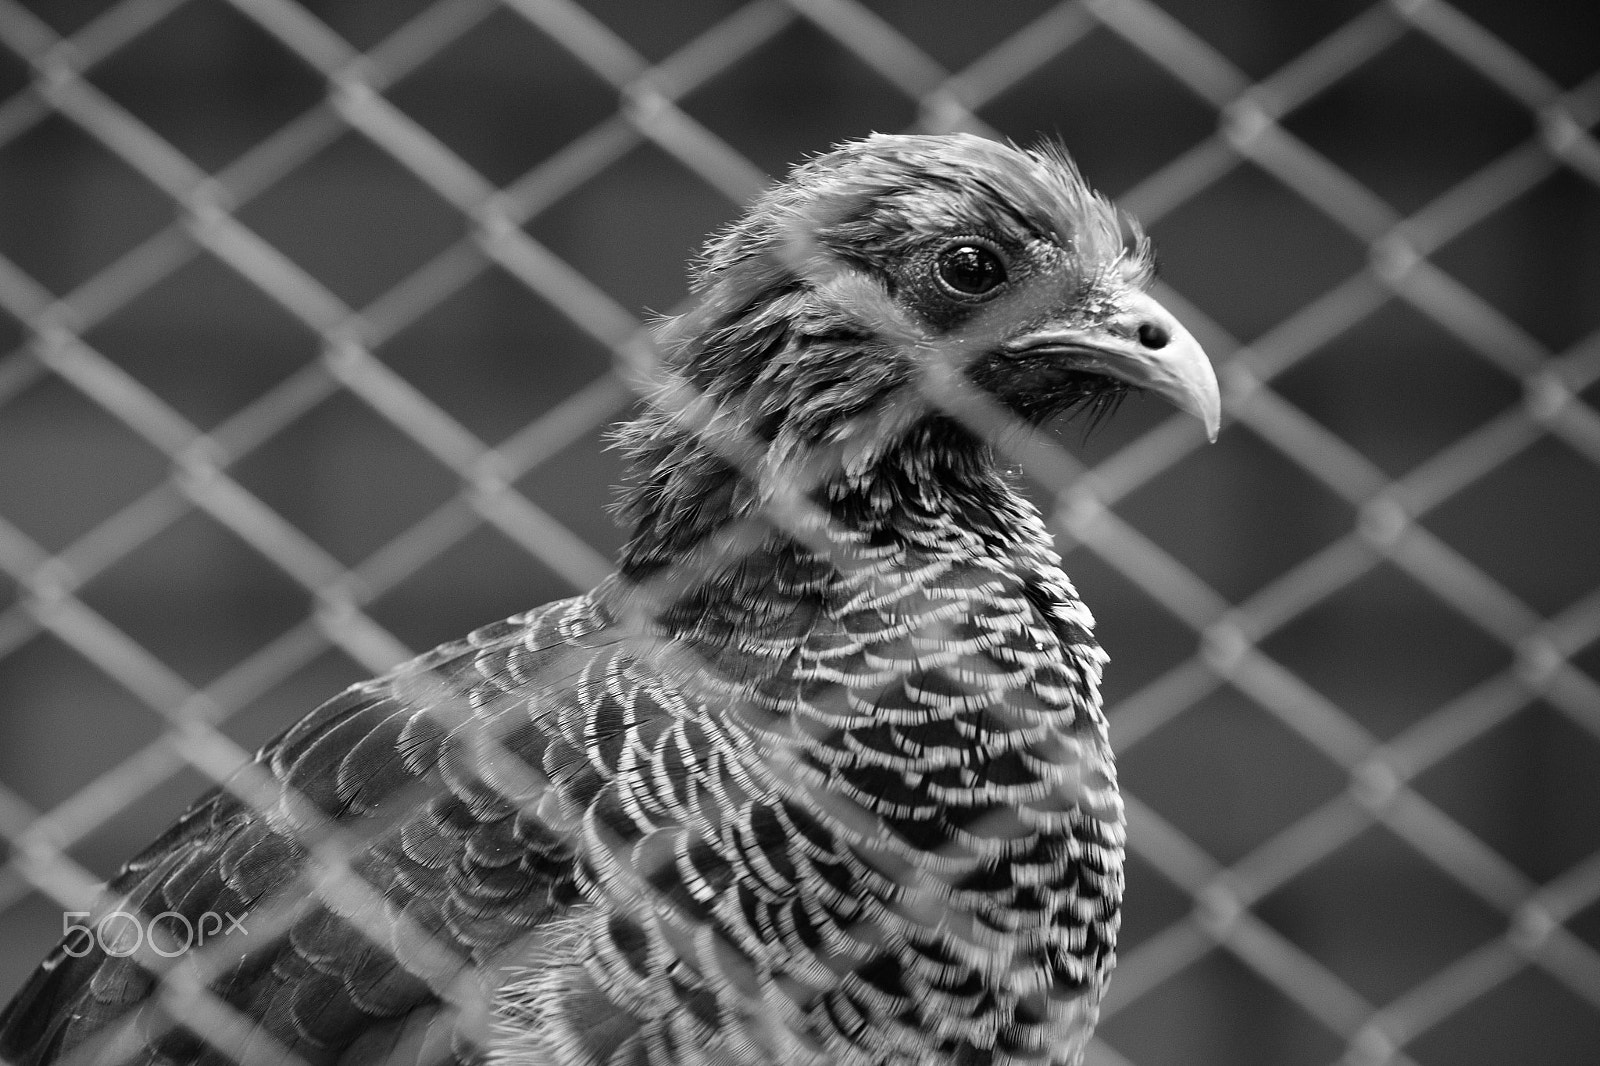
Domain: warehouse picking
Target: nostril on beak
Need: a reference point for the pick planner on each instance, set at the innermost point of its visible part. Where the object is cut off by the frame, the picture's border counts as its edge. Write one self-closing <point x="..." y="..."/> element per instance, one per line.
<point x="1153" y="336"/>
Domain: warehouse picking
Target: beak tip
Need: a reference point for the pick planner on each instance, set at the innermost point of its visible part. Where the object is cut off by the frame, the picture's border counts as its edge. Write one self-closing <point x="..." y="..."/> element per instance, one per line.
<point x="1199" y="395"/>
<point x="1209" y="416"/>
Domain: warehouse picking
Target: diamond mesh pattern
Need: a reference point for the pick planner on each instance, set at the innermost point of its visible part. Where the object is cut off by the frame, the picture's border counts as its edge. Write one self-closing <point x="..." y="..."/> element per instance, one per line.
<point x="1363" y="695"/>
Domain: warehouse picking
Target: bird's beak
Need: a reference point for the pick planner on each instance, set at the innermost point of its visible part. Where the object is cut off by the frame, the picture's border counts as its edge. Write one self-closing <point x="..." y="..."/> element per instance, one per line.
<point x="1143" y="345"/>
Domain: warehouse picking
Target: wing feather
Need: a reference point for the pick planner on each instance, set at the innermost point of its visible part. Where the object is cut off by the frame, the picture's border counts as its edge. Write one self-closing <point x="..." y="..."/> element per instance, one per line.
<point x="414" y="766"/>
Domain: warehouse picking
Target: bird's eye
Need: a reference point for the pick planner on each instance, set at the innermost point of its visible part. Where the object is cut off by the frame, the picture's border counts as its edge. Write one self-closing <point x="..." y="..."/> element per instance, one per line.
<point x="970" y="269"/>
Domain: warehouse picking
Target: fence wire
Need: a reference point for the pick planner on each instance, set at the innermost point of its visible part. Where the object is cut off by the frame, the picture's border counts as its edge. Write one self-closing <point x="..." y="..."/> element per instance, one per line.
<point x="1228" y="906"/>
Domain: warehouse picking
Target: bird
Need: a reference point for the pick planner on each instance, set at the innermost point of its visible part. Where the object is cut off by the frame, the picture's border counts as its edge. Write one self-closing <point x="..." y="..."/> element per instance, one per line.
<point x="820" y="774"/>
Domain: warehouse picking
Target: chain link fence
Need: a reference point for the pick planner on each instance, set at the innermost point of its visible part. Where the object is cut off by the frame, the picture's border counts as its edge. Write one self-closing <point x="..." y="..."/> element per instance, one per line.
<point x="315" y="317"/>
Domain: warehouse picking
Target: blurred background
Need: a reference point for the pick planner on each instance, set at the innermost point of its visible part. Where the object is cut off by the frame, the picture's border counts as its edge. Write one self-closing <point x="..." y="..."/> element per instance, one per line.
<point x="311" y="320"/>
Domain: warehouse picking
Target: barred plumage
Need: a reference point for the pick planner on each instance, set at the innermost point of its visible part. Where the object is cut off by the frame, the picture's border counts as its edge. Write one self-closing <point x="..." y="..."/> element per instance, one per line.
<point x="820" y="776"/>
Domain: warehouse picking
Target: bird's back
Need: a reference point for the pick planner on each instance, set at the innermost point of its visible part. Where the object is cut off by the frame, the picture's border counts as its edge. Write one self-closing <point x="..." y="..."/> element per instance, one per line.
<point x="392" y="773"/>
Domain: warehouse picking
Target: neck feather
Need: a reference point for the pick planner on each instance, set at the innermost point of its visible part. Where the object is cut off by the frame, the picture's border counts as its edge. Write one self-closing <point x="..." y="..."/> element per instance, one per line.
<point x="773" y="399"/>
<point x="918" y="485"/>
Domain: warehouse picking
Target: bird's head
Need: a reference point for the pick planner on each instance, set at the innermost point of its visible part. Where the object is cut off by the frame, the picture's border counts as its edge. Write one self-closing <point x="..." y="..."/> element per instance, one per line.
<point x="891" y="251"/>
<point x="826" y="313"/>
